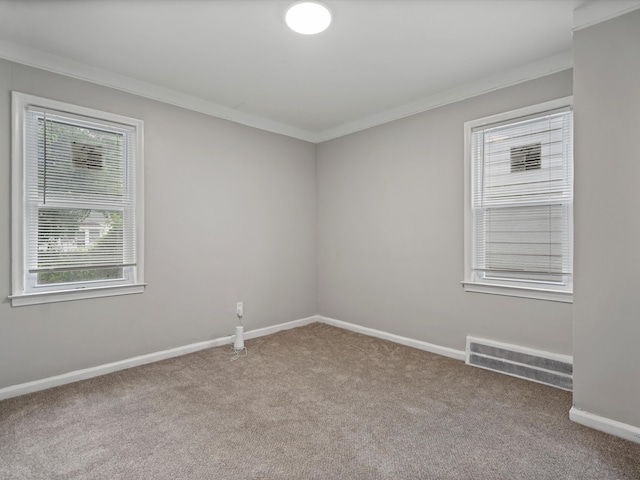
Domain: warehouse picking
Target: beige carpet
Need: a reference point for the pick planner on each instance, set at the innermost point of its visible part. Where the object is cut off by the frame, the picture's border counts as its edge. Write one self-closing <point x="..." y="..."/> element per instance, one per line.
<point x="316" y="402"/>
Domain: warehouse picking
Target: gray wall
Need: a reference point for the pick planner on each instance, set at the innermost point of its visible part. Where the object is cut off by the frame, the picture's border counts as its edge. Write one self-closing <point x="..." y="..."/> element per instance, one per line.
<point x="230" y="215"/>
<point x="390" y="223"/>
<point x="607" y="222"/>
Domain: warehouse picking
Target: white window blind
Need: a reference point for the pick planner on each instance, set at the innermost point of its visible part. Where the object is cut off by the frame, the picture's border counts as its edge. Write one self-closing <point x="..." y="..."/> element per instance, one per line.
<point x="77" y="197"/>
<point x="80" y="196"/>
<point x="522" y="198"/>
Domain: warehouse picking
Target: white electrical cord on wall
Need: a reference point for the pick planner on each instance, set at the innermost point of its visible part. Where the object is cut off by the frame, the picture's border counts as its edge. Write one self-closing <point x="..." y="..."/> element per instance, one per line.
<point x="238" y="349"/>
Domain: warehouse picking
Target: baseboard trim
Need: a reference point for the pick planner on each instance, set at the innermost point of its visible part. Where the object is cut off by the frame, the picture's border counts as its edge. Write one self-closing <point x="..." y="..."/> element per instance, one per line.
<point x="77" y="375"/>
<point x="409" y="342"/>
<point x="604" y="424"/>
<point x="261" y="332"/>
<point x="607" y="425"/>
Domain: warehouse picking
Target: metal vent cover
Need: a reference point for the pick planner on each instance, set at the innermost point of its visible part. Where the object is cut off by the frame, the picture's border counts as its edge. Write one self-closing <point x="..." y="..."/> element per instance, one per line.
<point x="536" y="365"/>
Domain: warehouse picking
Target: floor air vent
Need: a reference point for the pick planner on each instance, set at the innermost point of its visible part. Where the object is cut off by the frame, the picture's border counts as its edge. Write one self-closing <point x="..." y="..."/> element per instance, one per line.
<point x="542" y="367"/>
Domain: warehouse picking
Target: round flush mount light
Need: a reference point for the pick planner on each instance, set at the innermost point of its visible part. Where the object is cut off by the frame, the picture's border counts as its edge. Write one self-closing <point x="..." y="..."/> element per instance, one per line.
<point x="308" y="18"/>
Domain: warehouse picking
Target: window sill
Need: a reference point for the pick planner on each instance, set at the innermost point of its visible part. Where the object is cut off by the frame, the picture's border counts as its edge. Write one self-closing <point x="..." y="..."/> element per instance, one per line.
<point x="517" y="291"/>
<point x="77" y="294"/>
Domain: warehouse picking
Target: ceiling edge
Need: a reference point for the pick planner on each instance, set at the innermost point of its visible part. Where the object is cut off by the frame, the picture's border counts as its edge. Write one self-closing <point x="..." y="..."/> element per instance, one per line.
<point x="592" y="12"/>
<point x="546" y="66"/>
<point x="71" y="68"/>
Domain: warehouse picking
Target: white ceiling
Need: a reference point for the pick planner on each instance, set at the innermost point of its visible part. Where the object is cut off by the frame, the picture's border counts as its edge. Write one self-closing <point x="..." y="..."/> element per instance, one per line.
<point x="237" y="59"/>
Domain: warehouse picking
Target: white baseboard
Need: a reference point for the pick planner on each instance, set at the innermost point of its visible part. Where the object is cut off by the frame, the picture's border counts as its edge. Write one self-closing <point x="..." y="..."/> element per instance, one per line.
<point x="77" y="375"/>
<point x="261" y="332"/>
<point x="410" y="342"/>
<point x="597" y="422"/>
<point x="604" y="424"/>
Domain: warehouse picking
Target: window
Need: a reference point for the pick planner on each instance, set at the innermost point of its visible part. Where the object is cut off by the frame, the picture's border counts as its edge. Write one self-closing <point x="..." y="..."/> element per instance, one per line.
<point x="77" y="219"/>
<point x="519" y="202"/>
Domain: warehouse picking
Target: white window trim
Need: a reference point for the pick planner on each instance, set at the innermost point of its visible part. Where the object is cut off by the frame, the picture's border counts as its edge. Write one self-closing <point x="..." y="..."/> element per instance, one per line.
<point x="20" y="101"/>
<point x="471" y="283"/>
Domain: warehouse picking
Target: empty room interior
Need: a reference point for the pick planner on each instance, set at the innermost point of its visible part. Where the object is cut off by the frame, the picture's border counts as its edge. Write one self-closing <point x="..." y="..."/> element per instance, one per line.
<point x="402" y="243"/>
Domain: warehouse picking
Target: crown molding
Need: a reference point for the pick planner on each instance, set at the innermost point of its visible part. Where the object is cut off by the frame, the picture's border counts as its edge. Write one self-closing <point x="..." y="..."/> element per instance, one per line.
<point x="546" y="66"/>
<point x="593" y="12"/>
<point x="71" y="68"/>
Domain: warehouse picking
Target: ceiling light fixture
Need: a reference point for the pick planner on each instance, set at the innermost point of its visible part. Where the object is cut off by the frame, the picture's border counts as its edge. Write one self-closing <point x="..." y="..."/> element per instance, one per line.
<point x="308" y="18"/>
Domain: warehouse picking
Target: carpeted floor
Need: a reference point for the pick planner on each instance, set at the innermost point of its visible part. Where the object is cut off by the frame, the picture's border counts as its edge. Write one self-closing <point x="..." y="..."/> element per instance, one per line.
<point x="316" y="402"/>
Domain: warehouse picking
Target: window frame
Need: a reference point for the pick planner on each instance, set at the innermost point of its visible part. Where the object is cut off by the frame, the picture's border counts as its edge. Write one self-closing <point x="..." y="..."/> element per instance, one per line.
<point x="23" y="290"/>
<point x="473" y="282"/>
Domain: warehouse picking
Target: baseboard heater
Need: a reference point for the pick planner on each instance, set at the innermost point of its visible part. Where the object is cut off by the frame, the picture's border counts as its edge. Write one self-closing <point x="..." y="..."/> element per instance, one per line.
<point x="543" y="367"/>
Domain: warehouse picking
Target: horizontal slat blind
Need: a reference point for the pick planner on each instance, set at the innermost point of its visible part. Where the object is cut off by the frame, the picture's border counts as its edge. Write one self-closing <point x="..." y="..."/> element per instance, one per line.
<point x="80" y="185"/>
<point x="523" y="195"/>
